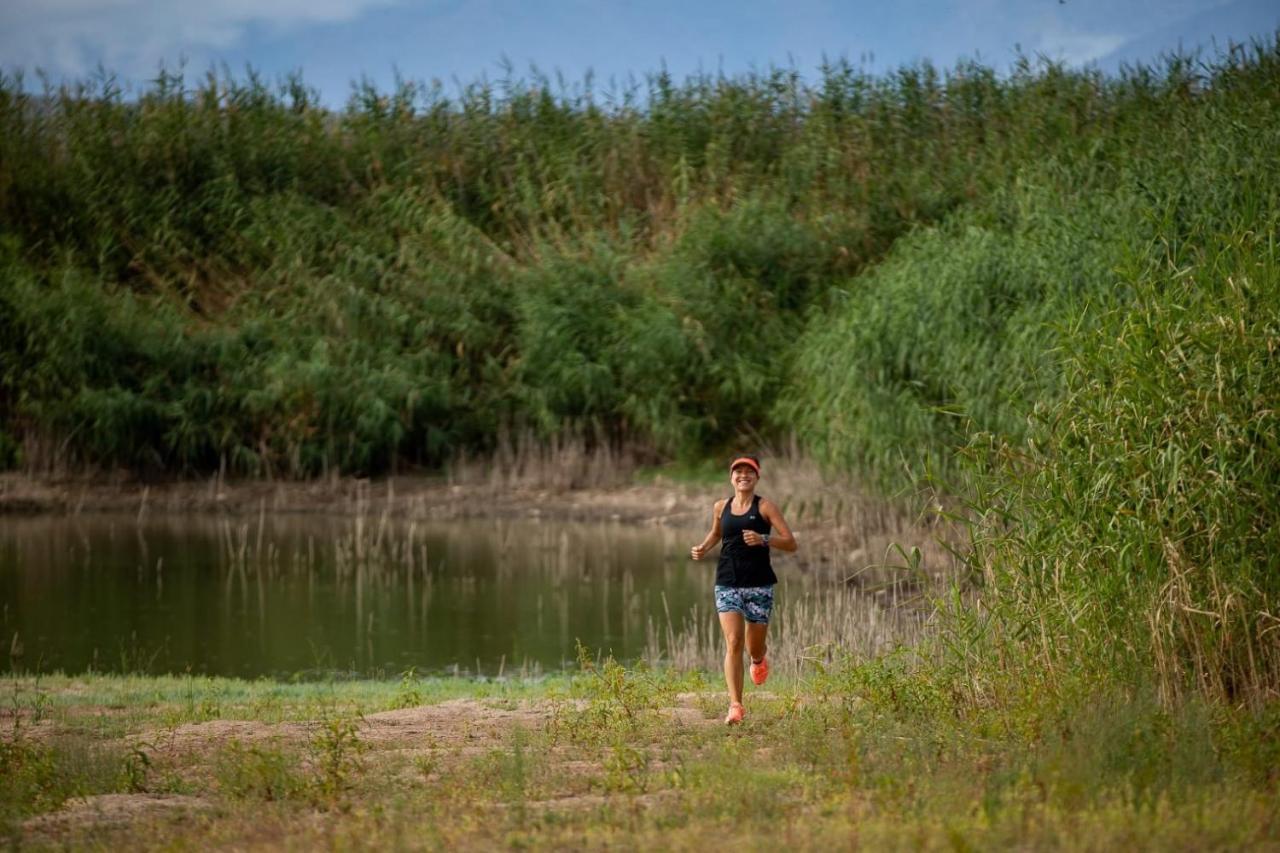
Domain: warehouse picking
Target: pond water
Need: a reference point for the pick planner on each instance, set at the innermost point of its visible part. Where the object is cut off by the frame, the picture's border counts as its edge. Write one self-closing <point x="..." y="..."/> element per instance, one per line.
<point x="302" y="595"/>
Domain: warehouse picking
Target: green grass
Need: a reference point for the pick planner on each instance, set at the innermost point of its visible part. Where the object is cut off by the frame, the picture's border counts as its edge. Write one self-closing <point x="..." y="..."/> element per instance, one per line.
<point x="182" y="699"/>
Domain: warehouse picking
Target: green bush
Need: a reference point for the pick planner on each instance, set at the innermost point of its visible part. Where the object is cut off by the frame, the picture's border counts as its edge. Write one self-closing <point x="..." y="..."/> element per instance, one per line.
<point x="259" y="772"/>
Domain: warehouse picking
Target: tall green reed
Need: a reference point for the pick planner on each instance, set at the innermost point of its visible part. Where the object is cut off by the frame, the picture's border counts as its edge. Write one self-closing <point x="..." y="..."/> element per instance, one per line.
<point x="1136" y="531"/>
<point x="1144" y="525"/>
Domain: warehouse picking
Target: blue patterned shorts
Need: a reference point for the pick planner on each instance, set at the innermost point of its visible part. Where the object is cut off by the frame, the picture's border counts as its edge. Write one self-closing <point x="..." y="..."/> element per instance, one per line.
<point x="753" y="602"/>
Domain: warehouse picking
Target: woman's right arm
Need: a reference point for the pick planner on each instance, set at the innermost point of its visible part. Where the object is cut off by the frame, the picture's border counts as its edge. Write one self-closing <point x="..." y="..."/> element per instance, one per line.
<point x="700" y="550"/>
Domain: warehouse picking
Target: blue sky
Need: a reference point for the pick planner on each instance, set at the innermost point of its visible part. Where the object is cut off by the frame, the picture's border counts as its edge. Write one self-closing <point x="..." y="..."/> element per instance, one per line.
<point x="335" y="42"/>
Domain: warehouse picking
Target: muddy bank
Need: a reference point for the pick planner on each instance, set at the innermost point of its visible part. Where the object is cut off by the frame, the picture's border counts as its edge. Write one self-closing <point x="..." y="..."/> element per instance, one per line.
<point x="657" y="503"/>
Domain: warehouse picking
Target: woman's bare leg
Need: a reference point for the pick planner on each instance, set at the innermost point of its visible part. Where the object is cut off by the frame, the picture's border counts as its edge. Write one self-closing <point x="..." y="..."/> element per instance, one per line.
<point x="756" y="645"/>
<point x="734" y="627"/>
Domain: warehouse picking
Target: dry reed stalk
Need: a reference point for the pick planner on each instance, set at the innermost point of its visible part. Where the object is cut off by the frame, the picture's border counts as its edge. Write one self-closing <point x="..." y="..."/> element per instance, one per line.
<point x="847" y="534"/>
<point x="560" y="463"/>
<point x="862" y="582"/>
<point x="812" y="623"/>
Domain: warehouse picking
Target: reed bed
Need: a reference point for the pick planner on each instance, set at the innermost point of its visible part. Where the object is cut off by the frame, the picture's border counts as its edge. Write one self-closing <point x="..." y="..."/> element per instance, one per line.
<point x="1145" y="512"/>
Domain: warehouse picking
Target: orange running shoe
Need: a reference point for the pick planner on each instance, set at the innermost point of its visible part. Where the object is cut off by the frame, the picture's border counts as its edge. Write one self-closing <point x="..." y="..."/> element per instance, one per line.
<point x="736" y="713"/>
<point x="759" y="671"/>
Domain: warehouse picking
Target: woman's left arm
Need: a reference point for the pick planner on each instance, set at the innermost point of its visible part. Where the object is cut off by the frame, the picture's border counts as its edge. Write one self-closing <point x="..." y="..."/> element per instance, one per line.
<point x="782" y="538"/>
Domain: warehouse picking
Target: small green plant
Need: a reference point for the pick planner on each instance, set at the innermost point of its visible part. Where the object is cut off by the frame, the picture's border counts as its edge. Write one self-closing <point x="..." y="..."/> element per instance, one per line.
<point x="201" y="704"/>
<point x="258" y="772"/>
<point x="28" y="780"/>
<point x="613" y="690"/>
<point x="336" y="756"/>
<point x="615" y="698"/>
<point x="515" y="768"/>
<point x="892" y="683"/>
<point x="427" y="765"/>
<point x="137" y="770"/>
<point x="40" y="702"/>
<point x="408" y="694"/>
<point x="39" y="776"/>
<point x="626" y="768"/>
<point x="135" y="657"/>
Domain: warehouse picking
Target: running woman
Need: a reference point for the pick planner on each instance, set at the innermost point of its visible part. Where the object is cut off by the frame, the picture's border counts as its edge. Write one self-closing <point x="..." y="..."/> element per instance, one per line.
<point x="745" y="525"/>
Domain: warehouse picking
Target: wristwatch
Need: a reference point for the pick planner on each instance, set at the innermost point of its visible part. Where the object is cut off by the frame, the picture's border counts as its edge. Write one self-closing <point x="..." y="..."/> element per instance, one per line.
<point x="765" y="540"/>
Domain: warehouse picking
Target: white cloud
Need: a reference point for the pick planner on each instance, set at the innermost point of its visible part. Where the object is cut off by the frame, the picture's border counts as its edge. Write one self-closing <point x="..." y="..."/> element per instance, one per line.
<point x="1082" y="31"/>
<point x="1079" y="48"/>
<point x="71" y="37"/>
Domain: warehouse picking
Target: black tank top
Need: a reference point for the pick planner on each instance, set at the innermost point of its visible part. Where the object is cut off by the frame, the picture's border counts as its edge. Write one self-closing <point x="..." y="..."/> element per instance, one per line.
<point x="742" y="564"/>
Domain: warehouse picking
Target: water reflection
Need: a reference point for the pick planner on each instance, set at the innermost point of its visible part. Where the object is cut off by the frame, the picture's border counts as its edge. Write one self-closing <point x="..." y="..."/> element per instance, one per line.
<point x="281" y="594"/>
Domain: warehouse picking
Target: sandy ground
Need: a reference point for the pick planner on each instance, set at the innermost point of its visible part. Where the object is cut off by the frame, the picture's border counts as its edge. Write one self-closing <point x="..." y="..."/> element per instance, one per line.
<point x="111" y="811"/>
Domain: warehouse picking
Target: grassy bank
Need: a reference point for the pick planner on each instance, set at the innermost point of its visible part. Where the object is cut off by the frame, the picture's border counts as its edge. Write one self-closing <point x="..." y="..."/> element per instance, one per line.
<point x="864" y="754"/>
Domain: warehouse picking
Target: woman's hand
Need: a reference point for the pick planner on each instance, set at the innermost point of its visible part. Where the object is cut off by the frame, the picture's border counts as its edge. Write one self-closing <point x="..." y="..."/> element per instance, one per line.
<point x="698" y="551"/>
<point x="752" y="538"/>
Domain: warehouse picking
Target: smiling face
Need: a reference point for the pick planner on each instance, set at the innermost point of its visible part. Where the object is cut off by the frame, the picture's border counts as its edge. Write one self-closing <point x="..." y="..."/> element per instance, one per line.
<point x="743" y="477"/>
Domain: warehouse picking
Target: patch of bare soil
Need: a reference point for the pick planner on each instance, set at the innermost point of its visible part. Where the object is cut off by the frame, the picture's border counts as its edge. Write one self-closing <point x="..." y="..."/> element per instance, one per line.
<point x="199" y="738"/>
<point x="459" y="725"/>
<point x="586" y="802"/>
<point x="113" y="811"/>
<point x="458" y="722"/>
